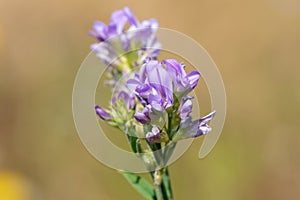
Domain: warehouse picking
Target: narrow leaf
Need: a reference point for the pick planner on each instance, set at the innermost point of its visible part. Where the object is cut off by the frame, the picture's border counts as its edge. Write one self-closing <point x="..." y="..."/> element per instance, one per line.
<point x="141" y="185"/>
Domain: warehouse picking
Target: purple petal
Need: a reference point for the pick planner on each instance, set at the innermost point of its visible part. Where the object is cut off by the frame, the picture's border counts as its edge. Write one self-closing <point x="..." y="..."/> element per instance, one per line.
<point x="151" y="23"/>
<point x="208" y="117"/>
<point x="94" y="47"/>
<point x="118" y="19"/>
<point x="185" y="108"/>
<point x="194" y="129"/>
<point x="130" y="16"/>
<point x="142" y="72"/>
<point x="112" y="30"/>
<point x="157" y="106"/>
<point x="132" y="84"/>
<point x="202" y="127"/>
<point x="106" y="53"/>
<point x="160" y="80"/>
<point x="102" y="113"/>
<point x="193" y="78"/>
<point x="143" y="117"/>
<point x="143" y="90"/>
<point x="174" y="68"/>
<point x="203" y="130"/>
<point x="157" y="102"/>
<point x="95" y="35"/>
<point x="154" y="136"/>
<point x="100" y="31"/>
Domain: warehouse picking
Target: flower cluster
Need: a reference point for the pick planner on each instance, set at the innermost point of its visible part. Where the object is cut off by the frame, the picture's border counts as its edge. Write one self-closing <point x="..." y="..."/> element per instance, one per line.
<point x="122" y="49"/>
<point x="157" y="94"/>
<point x="161" y="87"/>
<point x="151" y="100"/>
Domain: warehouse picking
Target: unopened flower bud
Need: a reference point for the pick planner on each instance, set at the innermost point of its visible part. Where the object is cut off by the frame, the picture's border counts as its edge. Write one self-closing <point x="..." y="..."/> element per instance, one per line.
<point x="102" y="113"/>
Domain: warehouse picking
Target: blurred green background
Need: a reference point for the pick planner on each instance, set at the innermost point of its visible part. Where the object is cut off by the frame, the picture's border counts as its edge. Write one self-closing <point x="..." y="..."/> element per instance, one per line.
<point x="256" y="46"/>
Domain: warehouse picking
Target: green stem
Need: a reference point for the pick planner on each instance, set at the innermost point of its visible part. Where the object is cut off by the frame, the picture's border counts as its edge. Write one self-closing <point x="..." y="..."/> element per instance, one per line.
<point x="161" y="187"/>
<point x="158" y="192"/>
<point x="167" y="184"/>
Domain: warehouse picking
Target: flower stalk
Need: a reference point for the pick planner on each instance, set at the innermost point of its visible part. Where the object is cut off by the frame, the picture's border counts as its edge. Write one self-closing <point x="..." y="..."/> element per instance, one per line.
<point x="151" y="104"/>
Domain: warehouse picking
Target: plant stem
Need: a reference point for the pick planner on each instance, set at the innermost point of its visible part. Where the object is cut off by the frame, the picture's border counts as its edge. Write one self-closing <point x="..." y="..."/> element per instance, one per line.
<point x="167" y="184"/>
<point x="158" y="192"/>
<point x="161" y="185"/>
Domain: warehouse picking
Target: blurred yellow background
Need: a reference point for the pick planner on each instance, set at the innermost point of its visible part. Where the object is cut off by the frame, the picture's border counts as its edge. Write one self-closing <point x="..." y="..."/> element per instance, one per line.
<point x="256" y="45"/>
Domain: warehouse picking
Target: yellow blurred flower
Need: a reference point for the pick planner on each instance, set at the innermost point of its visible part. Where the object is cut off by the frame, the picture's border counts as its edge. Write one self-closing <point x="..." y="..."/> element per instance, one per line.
<point x="13" y="187"/>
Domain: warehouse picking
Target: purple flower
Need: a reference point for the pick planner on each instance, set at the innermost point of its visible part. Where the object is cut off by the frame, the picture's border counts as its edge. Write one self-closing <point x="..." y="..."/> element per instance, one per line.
<point x="108" y="55"/>
<point x="157" y="94"/>
<point x="122" y="104"/>
<point x="154" y="136"/>
<point x="153" y="85"/>
<point x="162" y="81"/>
<point x="185" y="107"/>
<point x="151" y="114"/>
<point x="116" y="26"/>
<point x="115" y="40"/>
<point x="183" y="83"/>
<point x="143" y="116"/>
<point x="102" y="113"/>
<point x="189" y="129"/>
<point x="192" y="79"/>
<point x="143" y="37"/>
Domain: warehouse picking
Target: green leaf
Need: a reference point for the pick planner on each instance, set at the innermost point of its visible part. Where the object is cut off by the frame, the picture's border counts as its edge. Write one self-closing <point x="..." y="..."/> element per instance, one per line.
<point x="167" y="184"/>
<point x="141" y="185"/>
